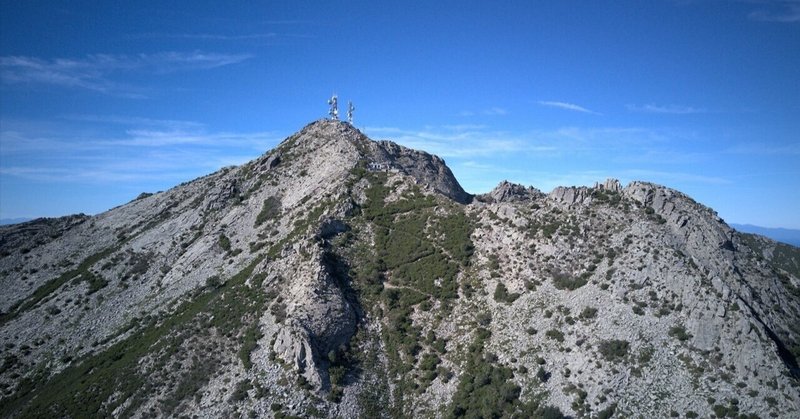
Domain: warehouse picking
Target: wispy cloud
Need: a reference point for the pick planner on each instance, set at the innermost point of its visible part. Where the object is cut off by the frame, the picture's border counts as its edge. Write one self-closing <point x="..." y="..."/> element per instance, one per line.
<point x="493" y="111"/>
<point x="462" y="142"/>
<point x="209" y="36"/>
<point x="566" y="106"/>
<point x="153" y="151"/>
<point x="666" y="109"/>
<point x="783" y="11"/>
<point x="765" y="149"/>
<point x="135" y="121"/>
<point x="473" y="141"/>
<point x="96" y="72"/>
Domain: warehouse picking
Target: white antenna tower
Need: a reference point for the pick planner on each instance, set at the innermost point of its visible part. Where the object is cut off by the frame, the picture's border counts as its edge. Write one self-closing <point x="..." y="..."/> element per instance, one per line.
<point x="334" y="111"/>
<point x="350" y="109"/>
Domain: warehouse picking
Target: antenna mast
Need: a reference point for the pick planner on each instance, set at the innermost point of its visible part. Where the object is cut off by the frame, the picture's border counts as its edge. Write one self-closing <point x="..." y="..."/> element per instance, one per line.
<point x="334" y="111"/>
<point x="350" y="109"/>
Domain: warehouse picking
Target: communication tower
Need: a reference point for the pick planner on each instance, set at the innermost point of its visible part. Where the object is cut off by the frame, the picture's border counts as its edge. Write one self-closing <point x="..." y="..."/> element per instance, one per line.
<point x="350" y="109"/>
<point x="334" y="111"/>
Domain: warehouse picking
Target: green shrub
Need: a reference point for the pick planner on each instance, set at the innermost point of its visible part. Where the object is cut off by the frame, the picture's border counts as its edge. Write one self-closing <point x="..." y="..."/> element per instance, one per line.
<point x="224" y="242"/>
<point x="614" y="349"/>
<point x="555" y="334"/>
<point x="336" y="394"/>
<point x="542" y="375"/>
<point x="213" y="282"/>
<point x="337" y="374"/>
<point x="588" y="313"/>
<point x="270" y="210"/>
<point x="249" y="343"/>
<point x="501" y="294"/>
<point x="565" y="281"/>
<point x="679" y="332"/>
<point x="240" y="393"/>
<point x="429" y="362"/>
<point x="96" y="282"/>
<point x="278" y="309"/>
<point x="607" y="412"/>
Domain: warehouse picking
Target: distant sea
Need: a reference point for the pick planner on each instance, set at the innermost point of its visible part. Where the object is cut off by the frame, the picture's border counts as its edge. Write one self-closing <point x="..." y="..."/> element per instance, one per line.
<point x="784" y="235"/>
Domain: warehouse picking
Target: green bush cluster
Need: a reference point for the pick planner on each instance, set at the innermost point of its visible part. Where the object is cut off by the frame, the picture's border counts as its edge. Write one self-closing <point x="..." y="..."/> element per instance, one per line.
<point x="487" y="390"/>
<point x="224" y="242"/>
<point x="269" y="211"/>
<point x="249" y="343"/>
<point x="555" y="334"/>
<point x="96" y="282"/>
<point x="43" y="292"/>
<point x="614" y="349"/>
<point x="423" y="249"/>
<point x="588" y="313"/>
<point x="501" y="294"/>
<point x="679" y="332"/>
<point x="240" y="392"/>
<point x="92" y="380"/>
<point x="602" y="196"/>
<point x="564" y="281"/>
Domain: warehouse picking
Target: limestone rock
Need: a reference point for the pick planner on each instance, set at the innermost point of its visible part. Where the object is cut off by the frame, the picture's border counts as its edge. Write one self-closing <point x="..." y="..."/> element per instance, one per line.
<point x="511" y="192"/>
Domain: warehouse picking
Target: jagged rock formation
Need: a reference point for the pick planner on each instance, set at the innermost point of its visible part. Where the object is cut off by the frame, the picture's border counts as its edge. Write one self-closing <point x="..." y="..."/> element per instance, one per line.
<point x="338" y="276"/>
<point x="510" y="192"/>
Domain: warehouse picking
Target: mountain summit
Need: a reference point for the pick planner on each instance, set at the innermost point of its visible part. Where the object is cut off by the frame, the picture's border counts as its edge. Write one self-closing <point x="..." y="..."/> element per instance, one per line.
<point x="336" y="276"/>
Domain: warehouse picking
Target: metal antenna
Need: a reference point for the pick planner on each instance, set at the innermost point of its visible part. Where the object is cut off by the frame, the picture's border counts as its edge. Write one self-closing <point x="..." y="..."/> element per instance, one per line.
<point x="334" y="111"/>
<point x="350" y="109"/>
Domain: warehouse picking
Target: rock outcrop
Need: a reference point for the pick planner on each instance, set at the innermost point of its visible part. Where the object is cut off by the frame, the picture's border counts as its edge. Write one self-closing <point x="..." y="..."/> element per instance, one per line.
<point x="511" y="192"/>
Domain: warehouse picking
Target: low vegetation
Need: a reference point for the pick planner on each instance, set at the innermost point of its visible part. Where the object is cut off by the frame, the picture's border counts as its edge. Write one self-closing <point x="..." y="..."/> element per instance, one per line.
<point x="116" y="371"/>
<point x="269" y="211"/>
<point x="487" y="389"/>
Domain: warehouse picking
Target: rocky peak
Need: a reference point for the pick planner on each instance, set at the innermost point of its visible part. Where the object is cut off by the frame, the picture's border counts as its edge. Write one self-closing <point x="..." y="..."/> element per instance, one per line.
<point x="325" y="143"/>
<point x="506" y="191"/>
<point x="428" y="170"/>
<point x="571" y="195"/>
<point x="610" y="185"/>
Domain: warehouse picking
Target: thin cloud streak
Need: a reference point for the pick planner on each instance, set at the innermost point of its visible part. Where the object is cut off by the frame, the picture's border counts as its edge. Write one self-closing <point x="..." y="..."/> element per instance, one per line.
<point x="209" y="36"/>
<point x="782" y="11"/>
<point x="446" y="142"/>
<point x="566" y="106"/>
<point x="493" y="111"/>
<point x="137" y="121"/>
<point x="479" y="141"/>
<point x="138" y="154"/>
<point x="666" y="109"/>
<point x="765" y="149"/>
<point x="94" y="72"/>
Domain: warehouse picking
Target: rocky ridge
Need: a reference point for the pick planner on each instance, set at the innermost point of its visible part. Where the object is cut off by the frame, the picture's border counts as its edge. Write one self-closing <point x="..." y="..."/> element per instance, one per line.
<point x="339" y="276"/>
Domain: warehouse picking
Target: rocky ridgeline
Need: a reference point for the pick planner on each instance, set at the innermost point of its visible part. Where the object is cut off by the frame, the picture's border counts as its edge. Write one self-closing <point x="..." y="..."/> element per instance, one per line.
<point x="339" y="276"/>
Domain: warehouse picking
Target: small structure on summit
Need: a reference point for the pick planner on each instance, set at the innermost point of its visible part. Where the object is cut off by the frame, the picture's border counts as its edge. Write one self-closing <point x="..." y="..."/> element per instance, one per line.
<point x="334" y="110"/>
<point x="350" y="109"/>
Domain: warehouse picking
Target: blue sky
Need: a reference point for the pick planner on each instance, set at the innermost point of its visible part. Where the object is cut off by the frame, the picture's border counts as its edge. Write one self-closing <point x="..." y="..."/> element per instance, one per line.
<point x="100" y="101"/>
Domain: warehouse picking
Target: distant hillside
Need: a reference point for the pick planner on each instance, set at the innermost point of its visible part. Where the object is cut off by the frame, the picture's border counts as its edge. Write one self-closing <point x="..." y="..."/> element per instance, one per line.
<point x="7" y="221"/>
<point x="779" y="234"/>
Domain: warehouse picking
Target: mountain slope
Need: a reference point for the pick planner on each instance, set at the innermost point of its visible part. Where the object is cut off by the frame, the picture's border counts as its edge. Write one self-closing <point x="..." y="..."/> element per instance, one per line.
<point x="338" y="276"/>
<point x="784" y="235"/>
